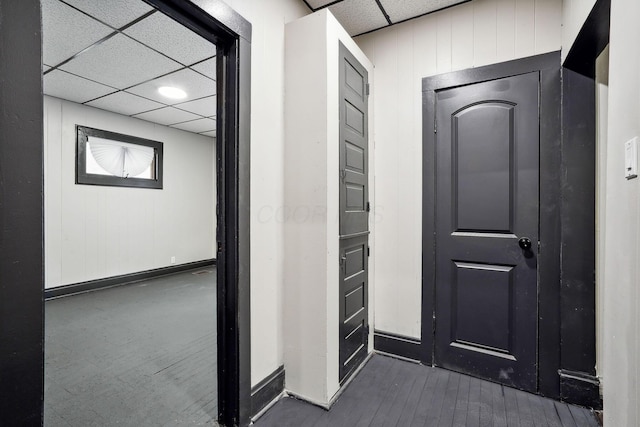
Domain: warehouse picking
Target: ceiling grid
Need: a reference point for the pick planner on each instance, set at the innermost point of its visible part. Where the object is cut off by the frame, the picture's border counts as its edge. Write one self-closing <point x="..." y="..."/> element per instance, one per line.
<point x="115" y="55"/>
<point x="360" y="17"/>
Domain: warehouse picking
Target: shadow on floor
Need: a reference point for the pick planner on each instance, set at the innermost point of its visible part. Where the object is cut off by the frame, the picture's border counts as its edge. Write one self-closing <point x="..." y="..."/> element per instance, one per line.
<point x="392" y="392"/>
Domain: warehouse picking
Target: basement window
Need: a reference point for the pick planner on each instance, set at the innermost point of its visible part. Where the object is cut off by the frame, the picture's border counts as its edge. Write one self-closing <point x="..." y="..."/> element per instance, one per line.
<point x="113" y="159"/>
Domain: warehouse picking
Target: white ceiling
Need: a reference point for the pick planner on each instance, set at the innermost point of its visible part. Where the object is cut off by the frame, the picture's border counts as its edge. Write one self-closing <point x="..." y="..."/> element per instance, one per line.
<point x="363" y="16"/>
<point x="115" y="54"/>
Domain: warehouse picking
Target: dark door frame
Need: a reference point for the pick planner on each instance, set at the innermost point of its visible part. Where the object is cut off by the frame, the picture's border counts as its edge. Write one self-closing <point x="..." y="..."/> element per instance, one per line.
<point x="578" y="380"/>
<point x="22" y="205"/>
<point x="548" y="66"/>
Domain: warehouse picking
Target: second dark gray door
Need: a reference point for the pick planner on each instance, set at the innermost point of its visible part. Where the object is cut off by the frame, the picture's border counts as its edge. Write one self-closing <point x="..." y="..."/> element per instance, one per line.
<point x="354" y="216"/>
<point x="487" y="166"/>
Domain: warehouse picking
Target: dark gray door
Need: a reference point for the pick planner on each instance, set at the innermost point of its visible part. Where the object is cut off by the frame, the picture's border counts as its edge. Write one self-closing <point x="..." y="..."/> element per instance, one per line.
<point x="487" y="166"/>
<point x="354" y="327"/>
<point x="354" y="216"/>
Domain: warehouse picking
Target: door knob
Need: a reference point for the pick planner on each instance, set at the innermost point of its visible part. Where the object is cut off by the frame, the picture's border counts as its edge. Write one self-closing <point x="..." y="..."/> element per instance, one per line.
<point x="525" y="243"/>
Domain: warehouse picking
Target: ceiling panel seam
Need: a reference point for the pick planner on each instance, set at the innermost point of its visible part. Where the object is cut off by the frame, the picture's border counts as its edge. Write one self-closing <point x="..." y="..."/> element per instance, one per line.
<point x="107" y="37"/>
<point x="120" y="31"/>
<point x="384" y="12"/>
<point x="327" y="5"/>
<point x="135" y="21"/>
<point x="307" y="4"/>
<point x="198" y="111"/>
<point x="147" y="81"/>
<point x="413" y="17"/>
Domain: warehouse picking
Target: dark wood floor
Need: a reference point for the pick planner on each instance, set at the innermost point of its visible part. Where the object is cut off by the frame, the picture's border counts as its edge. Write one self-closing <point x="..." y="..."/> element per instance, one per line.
<point x="391" y="392"/>
<point x="136" y="355"/>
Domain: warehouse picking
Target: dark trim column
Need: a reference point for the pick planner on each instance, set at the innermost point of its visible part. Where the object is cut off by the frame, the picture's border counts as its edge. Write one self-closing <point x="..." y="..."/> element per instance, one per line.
<point x="21" y="215"/>
<point x="578" y="383"/>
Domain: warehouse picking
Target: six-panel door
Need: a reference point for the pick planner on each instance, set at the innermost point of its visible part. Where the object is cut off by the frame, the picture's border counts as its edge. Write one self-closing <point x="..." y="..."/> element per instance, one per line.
<point x="354" y="214"/>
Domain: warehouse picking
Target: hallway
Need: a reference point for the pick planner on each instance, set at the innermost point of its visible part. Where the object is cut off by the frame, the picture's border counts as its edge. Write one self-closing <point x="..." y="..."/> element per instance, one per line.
<point x="392" y="392"/>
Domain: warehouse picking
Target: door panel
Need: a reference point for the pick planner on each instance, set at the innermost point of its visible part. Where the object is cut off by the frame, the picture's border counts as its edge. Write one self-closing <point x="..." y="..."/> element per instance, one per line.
<point x="487" y="145"/>
<point x="354" y="217"/>
<point x="353" y="305"/>
<point x="482" y="138"/>
<point x="354" y="191"/>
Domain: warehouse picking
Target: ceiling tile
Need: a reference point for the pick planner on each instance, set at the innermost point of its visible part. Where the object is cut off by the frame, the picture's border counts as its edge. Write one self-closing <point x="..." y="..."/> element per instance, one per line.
<point x="319" y="3"/>
<point x="211" y="133"/>
<point x="73" y="88"/>
<point x="201" y="125"/>
<point x="205" y="106"/>
<point x="402" y="10"/>
<point x="65" y="31"/>
<point x="167" y="116"/>
<point x="120" y="62"/>
<point x="194" y="84"/>
<point x="116" y="13"/>
<point x="174" y="40"/>
<point x="359" y="16"/>
<point x="208" y="68"/>
<point x="125" y="103"/>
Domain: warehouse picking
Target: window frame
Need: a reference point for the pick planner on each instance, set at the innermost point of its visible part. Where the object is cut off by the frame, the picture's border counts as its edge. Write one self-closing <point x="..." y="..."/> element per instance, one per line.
<point x="83" y="178"/>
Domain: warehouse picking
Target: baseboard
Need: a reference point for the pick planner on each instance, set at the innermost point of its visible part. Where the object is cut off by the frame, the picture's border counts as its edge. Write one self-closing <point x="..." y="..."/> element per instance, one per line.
<point x="580" y="388"/>
<point x="267" y="390"/>
<point x="108" y="282"/>
<point x="398" y="345"/>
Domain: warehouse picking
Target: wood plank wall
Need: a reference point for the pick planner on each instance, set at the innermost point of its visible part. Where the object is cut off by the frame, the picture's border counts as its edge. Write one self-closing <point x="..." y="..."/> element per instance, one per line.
<point x="473" y="34"/>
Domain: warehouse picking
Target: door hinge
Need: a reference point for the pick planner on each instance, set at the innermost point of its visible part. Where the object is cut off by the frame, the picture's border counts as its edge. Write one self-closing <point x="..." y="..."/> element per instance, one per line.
<point x="368" y="250"/>
<point x="366" y="330"/>
<point x="435" y="126"/>
<point x="367" y="89"/>
<point x="368" y="208"/>
<point x="343" y="174"/>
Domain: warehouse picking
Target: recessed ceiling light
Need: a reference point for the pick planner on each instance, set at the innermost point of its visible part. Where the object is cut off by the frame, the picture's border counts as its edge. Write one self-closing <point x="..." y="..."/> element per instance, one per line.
<point x="172" y="92"/>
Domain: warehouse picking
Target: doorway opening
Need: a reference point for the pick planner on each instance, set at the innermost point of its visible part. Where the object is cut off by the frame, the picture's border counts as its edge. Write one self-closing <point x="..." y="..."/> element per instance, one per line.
<point x="130" y="107"/>
<point x="22" y="158"/>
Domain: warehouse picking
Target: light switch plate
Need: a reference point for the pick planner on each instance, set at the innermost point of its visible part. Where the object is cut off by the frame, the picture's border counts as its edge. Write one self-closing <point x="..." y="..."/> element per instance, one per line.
<point x="631" y="158"/>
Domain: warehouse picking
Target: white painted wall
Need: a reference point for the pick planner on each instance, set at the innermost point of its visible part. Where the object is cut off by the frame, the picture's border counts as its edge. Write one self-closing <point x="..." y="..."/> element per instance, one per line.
<point x="93" y="232"/>
<point x="621" y="359"/>
<point x="311" y="280"/>
<point x="574" y="13"/>
<point x="477" y="33"/>
<point x="267" y="176"/>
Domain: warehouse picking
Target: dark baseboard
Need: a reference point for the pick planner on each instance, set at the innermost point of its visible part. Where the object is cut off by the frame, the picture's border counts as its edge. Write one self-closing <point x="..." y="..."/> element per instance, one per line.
<point x="580" y="388"/>
<point x="397" y="345"/>
<point x="108" y="282"/>
<point x="267" y="390"/>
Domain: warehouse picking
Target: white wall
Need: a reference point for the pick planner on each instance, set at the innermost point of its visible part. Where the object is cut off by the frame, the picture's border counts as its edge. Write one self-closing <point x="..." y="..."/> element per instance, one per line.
<point x="621" y="358"/>
<point x="473" y="34"/>
<point x="574" y="13"/>
<point x="94" y="232"/>
<point x="267" y="176"/>
<point x="312" y="132"/>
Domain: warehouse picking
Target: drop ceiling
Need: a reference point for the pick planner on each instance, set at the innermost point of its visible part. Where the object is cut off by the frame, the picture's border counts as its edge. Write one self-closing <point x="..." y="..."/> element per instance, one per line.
<point x="115" y="54"/>
<point x="363" y="16"/>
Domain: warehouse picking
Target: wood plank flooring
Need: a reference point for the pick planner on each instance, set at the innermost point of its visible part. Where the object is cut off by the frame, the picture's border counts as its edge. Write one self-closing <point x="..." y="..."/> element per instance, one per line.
<point x="136" y="355"/>
<point x="391" y="392"/>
